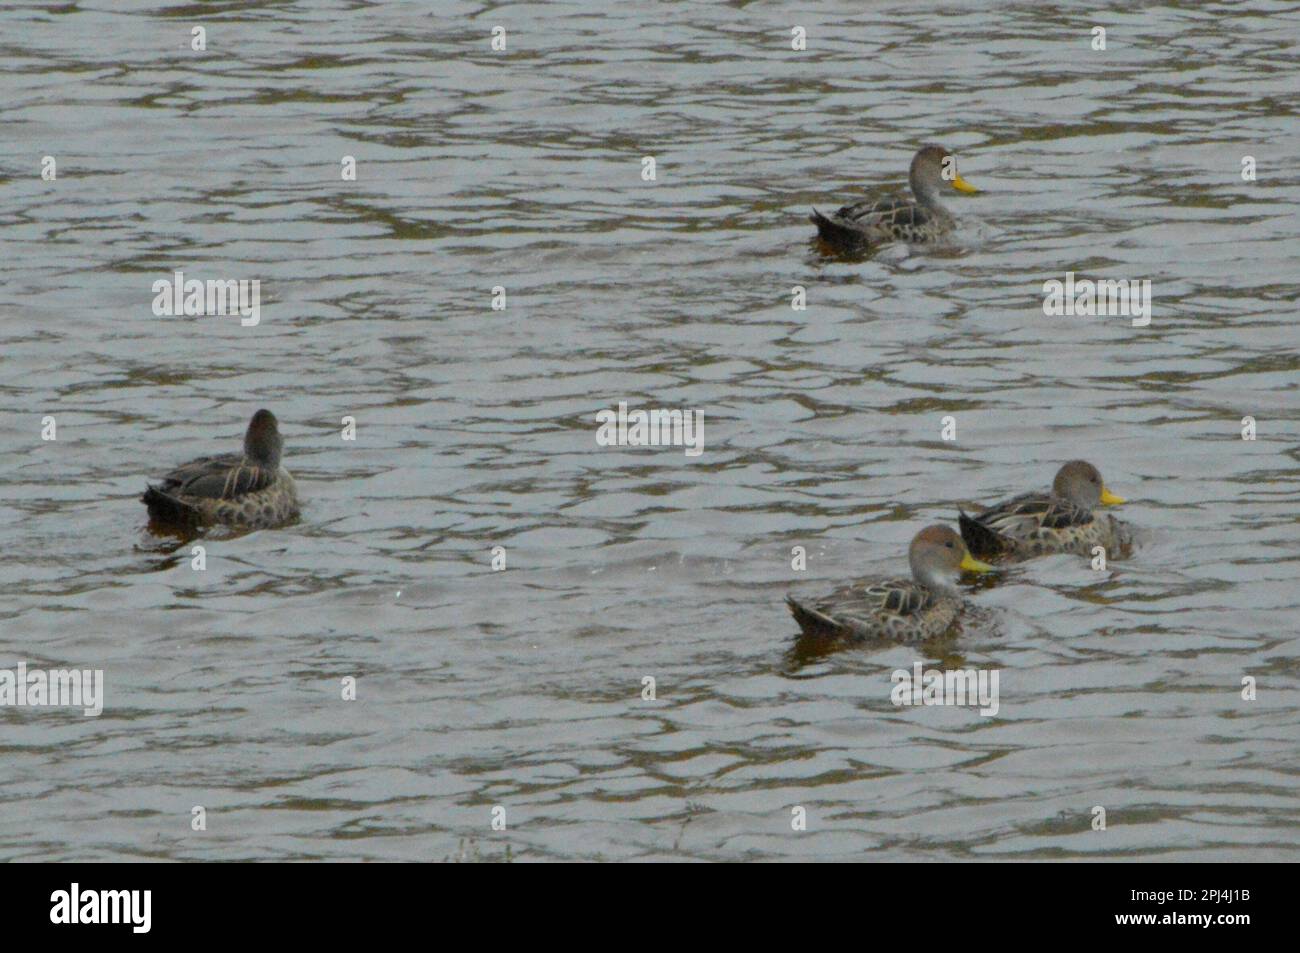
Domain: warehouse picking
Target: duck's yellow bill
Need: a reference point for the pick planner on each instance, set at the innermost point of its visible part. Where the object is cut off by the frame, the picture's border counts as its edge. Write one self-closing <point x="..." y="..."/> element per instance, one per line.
<point x="961" y="185"/>
<point x="970" y="563"/>
<point x="1110" y="499"/>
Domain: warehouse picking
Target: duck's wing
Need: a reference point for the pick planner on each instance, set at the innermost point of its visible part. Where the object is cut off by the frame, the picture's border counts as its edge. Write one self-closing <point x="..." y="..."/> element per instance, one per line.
<point x="875" y="221"/>
<point x="888" y="212"/>
<point x="895" y="597"/>
<point x="225" y="477"/>
<point x="1022" y="515"/>
<point x="902" y="597"/>
<point x="863" y="610"/>
<point x="866" y="611"/>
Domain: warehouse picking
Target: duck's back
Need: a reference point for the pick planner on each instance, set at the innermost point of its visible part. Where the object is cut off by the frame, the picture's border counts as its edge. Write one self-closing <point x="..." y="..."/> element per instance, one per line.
<point x="224" y="477"/>
<point x="898" y="609"/>
<point x="887" y="213"/>
<point x="1037" y="524"/>
<point x="225" y="489"/>
<point x="1030" y="511"/>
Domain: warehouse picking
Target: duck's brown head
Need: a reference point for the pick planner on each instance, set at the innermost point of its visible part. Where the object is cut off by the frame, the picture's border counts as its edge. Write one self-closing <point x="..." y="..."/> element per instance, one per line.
<point x="934" y="171"/>
<point x="938" y="554"/>
<point x="262" y="443"/>
<point x="1080" y="483"/>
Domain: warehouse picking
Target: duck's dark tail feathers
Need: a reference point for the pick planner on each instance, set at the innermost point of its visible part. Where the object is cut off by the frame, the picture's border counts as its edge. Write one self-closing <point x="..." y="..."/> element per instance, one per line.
<point x="982" y="542"/>
<point x="811" y="621"/>
<point x="833" y="233"/>
<point x="165" y="508"/>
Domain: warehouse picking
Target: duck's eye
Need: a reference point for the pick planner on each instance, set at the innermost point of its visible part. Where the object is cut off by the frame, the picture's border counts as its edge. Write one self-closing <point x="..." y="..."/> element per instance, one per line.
<point x="949" y="544"/>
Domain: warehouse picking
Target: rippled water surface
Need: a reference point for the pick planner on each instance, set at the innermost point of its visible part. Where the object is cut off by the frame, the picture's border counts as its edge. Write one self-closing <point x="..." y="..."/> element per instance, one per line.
<point x="475" y="427"/>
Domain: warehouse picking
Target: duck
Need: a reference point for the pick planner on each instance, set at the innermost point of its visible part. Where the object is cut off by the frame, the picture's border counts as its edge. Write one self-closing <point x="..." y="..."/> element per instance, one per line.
<point x="917" y="220"/>
<point x="249" y="490"/>
<point x="1062" y="521"/>
<point x="900" y="610"/>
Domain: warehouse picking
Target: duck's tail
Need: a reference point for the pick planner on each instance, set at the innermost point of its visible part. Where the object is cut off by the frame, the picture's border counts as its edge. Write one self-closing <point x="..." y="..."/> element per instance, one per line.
<point x="833" y="233"/>
<point x="982" y="542"/>
<point x="167" y="509"/>
<point x="811" y="621"/>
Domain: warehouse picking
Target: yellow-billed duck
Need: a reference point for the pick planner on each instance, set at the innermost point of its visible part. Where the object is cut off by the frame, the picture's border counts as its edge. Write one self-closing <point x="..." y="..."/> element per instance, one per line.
<point x="1063" y="521"/>
<point x="904" y="610"/>
<point x="249" y="490"/>
<point x="895" y="218"/>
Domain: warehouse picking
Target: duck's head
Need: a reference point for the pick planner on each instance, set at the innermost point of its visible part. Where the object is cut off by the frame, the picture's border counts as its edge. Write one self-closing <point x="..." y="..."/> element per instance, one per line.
<point x="1080" y="483"/>
<point x="262" y="443"/>
<point x="938" y="555"/>
<point x="933" y="172"/>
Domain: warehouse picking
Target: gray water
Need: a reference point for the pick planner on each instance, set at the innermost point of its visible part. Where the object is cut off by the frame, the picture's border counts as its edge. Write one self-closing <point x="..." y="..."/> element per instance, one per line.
<point x="475" y="428"/>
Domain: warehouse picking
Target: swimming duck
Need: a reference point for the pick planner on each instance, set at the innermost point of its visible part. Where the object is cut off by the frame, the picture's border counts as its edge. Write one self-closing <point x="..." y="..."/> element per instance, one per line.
<point x="898" y="218"/>
<point x="1062" y="521"/>
<point x="249" y="490"/>
<point x="905" y="610"/>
